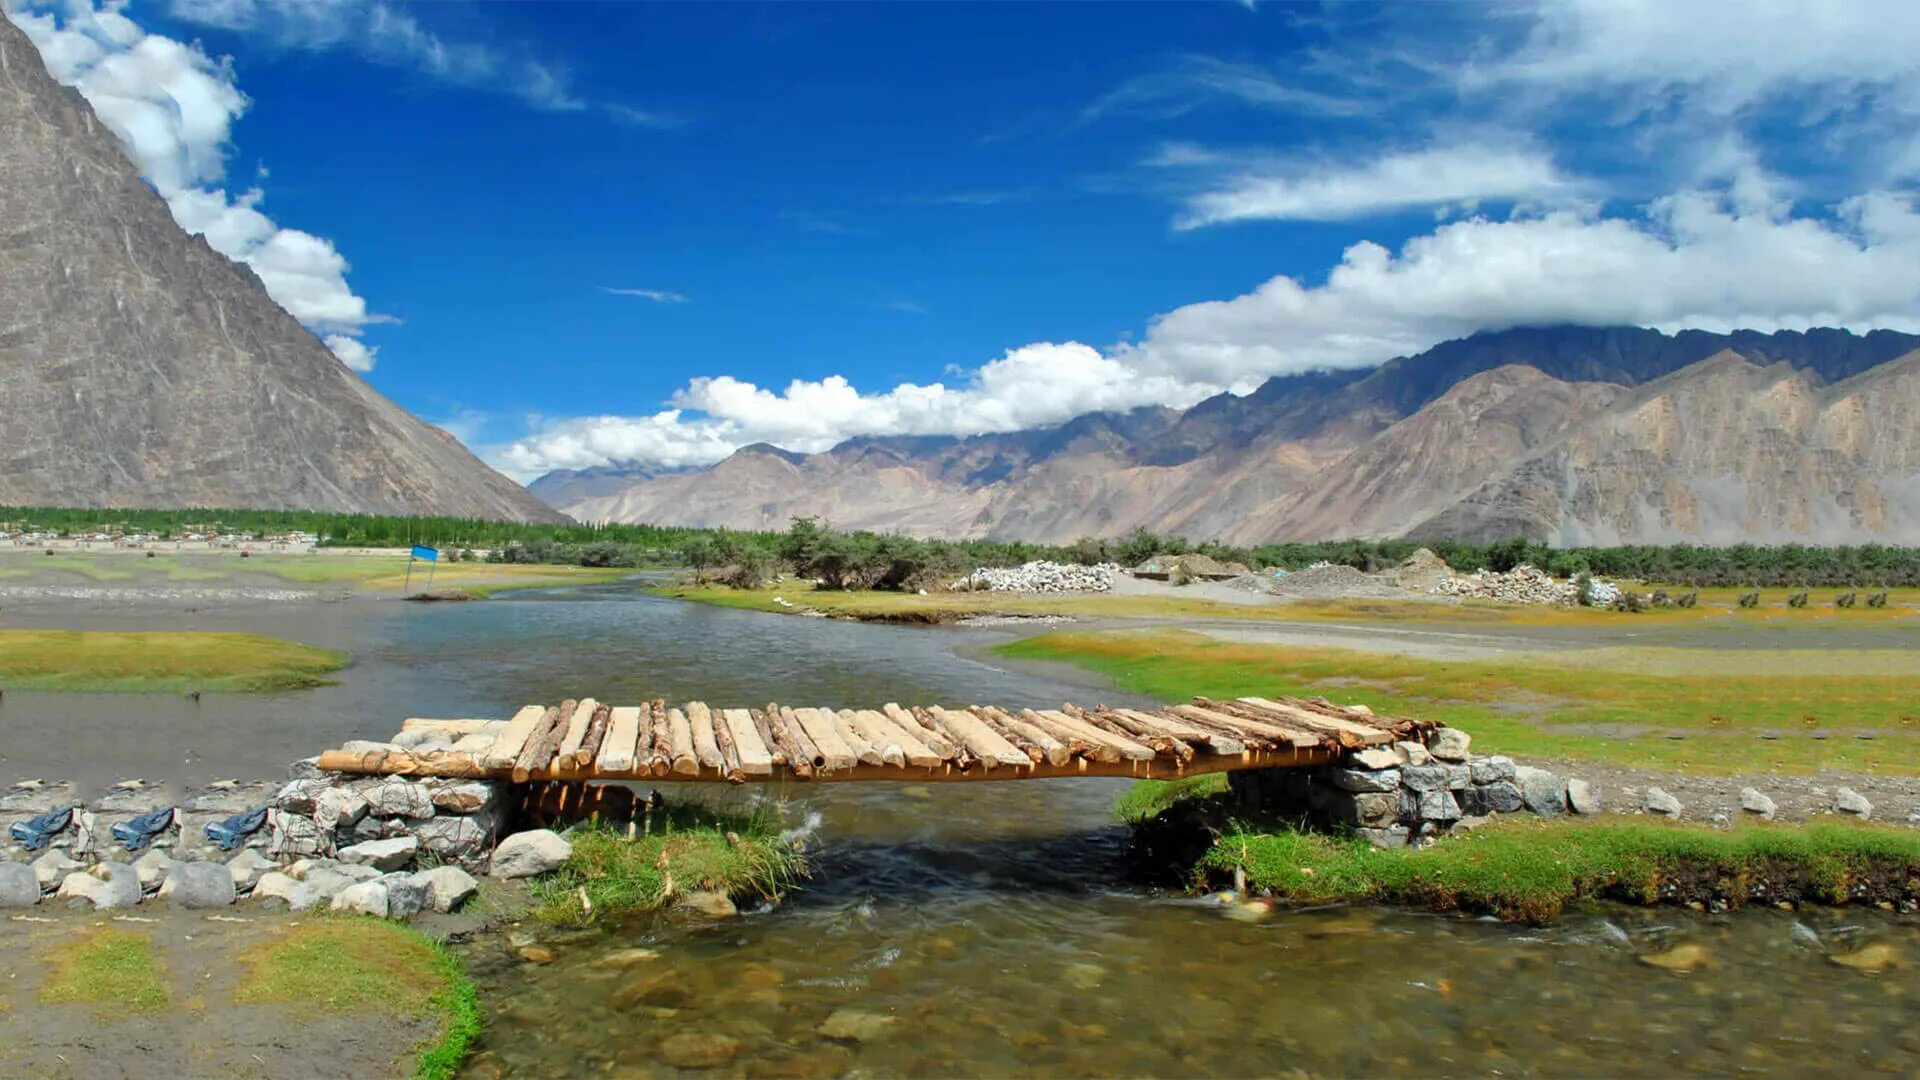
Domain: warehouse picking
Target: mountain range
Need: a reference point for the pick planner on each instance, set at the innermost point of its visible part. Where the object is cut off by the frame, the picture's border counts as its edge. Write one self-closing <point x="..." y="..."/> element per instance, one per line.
<point x="1571" y="435"/>
<point x="141" y="368"/>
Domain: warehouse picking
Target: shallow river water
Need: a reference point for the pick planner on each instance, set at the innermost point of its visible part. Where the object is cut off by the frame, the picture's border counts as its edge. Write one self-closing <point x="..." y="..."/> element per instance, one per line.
<point x="982" y="929"/>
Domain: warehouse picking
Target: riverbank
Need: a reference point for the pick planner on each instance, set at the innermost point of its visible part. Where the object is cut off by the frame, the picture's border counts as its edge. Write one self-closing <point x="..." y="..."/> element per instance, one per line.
<point x="160" y="662"/>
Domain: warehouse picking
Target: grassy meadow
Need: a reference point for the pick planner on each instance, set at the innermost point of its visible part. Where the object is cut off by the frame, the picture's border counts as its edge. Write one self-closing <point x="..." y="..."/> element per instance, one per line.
<point x="1694" y="710"/>
<point x="160" y="661"/>
<point x="689" y="848"/>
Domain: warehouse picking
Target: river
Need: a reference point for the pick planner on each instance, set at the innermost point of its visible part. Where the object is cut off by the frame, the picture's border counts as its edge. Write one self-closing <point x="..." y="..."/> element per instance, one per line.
<point x="983" y="929"/>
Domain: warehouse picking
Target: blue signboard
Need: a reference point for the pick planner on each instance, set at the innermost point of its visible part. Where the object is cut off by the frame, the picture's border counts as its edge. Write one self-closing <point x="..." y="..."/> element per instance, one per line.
<point x="427" y="553"/>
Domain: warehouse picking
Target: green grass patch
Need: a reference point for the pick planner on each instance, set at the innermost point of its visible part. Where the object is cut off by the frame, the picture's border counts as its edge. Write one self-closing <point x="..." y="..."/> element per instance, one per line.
<point x="109" y="968"/>
<point x="686" y="846"/>
<point x="1531" y="870"/>
<point x="157" y="661"/>
<point x="355" y="965"/>
<point x="1617" y="706"/>
<point x="1147" y="798"/>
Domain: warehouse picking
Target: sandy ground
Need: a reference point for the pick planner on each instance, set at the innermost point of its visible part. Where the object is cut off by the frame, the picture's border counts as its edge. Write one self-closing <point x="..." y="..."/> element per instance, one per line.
<point x="201" y="1032"/>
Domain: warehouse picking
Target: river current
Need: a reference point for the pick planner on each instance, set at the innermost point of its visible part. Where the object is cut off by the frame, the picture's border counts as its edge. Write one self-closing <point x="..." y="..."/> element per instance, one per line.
<point x="982" y="929"/>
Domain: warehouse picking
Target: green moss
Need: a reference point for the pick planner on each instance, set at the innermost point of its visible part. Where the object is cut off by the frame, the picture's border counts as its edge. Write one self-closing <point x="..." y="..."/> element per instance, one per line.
<point x="1530" y="870"/>
<point x="694" y="847"/>
<point x="459" y="1002"/>
<point x="1147" y="798"/>
<point x="1616" y="706"/>
<point x="108" y="968"/>
<point x="159" y="661"/>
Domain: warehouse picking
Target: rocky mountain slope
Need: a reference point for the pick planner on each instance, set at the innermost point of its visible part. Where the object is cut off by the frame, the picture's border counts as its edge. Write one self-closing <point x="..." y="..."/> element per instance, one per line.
<point x="139" y="367"/>
<point x="1575" y="434"/>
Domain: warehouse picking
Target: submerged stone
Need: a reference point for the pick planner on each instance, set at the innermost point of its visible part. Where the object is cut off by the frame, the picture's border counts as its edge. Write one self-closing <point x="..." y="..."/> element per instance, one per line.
<point x="1681" y="959"/>
<point x="1871" y="959"/>
<point x="857" y="1026"/>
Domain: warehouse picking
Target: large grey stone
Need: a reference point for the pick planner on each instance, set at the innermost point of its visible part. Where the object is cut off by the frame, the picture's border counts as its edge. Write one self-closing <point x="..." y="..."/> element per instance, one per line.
<point x="524" y="854"/>
<point x="1458" y="777"/>
<point x="19" y="885"/>
<point x="294" y="835"/>
<point x="107" y="886"/>
<point x="373" y="828"/>
<point x="1425" y="777"/>
<point x="248" y="867"/>
<point x="53" y="866"/>
<point x="366" y="898"/>
<point x="1377" y="757"/>
<point x="1541" y="791"/>
<point x="1437" y="806"/>
<point x="198" y="885"/>
<point x="1365" y="779"/>
<point x="454" y="836"/>
<point x="1582" y="797"/>
<point x="1412" y="753"/>
<point x="300" y="796"/>
<point x="1657" y="801"/>
<point x="398" y="798"/>
<point x="1393" y="836"/>
<point x="1848" y="801"/>
<point x="1370" y="808"/>
<point x="152" y="869"/>
<point x="339" y="808"/>
<point x="447" y="887"/>
<point x="465" y="797"/>
<point x="1754" y="801"/>
<point x="384" y="855"/>
<point x="1499" y="797"/>
<point x="1449" y="744"/>
<point x="1489" y="770"/>
<point x="298" y="895"/>
<point x="406" y="895"/>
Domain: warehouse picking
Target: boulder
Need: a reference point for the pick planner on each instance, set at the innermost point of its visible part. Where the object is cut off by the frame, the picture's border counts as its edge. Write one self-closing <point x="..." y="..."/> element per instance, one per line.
<point x="1432" y="777"/>
<point x="1458" y="777"/>
<point x="1393" y="836"/>
<point x="1848" y="801"/>
<point x="383" y="855"/>
<point x="300" y="796"/>
<point x="247" y="868"/>
<point x="51" y="868"/>
<point x="525" y="854"/>
<point x="373" y="828"/>
<point x="448" y="887"/>
<point x="106" y="886"/>
<point x="366" y="898"/>
<point x="19" y="885"/>
<point x="707" y="904"/>
<point x="454" y="836"/>
<point x="1370" y="808"/>
<point x="151" y="868"/>
<point x="1499" y="797"/>
<point x="295" y="835"/>
<point x="1657" y="801"/>
<point x="1582" y="797"/>
<point x="1378" y="757"/>
<point x="1449" y="744"/>
<point x="1412" y="753"/>
<point x="857" y="1026"/>
<point x="198" y="885"/>
<point x="1754" y="801"/>
<point x="298" y="895"/>
<point x="1540" y="791"/>
<point x="1437" y="806"/>
<point x="1491" y="770"/>
<point x="339" y="808"/>
<point x="1365" y="779"/>
<point x="464" y="797"/>
<point x="406" y="895"/>
<point x="398" y="798"/>
<point x="698" y="1049"/>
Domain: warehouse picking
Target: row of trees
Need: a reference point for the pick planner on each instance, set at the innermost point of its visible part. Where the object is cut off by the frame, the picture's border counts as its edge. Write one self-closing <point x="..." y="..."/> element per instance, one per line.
<point x="875" y="560"/>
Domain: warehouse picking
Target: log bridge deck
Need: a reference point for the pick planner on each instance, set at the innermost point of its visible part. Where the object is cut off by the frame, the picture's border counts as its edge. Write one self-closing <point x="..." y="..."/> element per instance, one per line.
<point x="587" y="740"/>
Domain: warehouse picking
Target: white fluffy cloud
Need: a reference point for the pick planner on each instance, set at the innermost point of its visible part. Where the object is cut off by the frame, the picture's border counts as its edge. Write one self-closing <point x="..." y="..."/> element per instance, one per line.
<point x="1324" y="192"/>
<point x="173" y="107"/>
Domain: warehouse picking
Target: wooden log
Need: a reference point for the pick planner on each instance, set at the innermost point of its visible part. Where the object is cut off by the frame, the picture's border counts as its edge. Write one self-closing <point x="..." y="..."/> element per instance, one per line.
<point x="1345" y="732"/>
<point x="834" y="751"/>
<point x="755" y="758"/>
<point x="596" y="734"/>
<point x="885" y="738"/>
<point x="1125" y="745"/>
<point x="988" y="745"/>
<point x="660" y="750"/>
<point x="918" y="753"/>
<point x="1034" y="751"/>
<point x="863" y="750"/>
<point x="1222" y="724"/>
<point x="543" y="742"/>
<point x="1052" y="750"/>
<point x="402" y="763"/>
<point x="764" y="726"/>
<point x="1078" y="743"/>
<point x="623" y="734"/>
<point x="913" y="725"/>
<point x="1159" y="740"/>
<point x="1190" y="734"/>
<point x="729" y="754"/>
<point x="576" y="732"/>
<point x="513" y="738"/>
<point x="680" y="743"/>
<point x="1236" y="717"/>
<point x="704" y="745"/>
<point x="802" y="756"/>
<point x="962" y="757"/>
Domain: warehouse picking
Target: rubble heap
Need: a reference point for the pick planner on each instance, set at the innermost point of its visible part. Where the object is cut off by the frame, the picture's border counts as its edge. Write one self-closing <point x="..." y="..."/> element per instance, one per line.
<point x="1040" y="576"/>
<point x="1521" y="585"/>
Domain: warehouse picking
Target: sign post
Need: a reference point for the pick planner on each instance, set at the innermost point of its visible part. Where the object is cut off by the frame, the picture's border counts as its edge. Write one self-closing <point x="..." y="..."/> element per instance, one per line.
<point x="432" y="557"/>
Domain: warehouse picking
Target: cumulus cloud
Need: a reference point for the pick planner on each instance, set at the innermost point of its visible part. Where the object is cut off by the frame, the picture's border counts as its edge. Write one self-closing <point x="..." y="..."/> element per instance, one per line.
<point x="173" y="107"/>
<point x="1325" y="192"/>
<point x="1724" y="259"/>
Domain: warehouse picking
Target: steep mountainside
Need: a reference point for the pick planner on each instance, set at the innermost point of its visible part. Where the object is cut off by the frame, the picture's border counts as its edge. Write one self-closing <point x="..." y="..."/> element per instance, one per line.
<point x="139" y="367"/>
<point x="1535" y="431"/>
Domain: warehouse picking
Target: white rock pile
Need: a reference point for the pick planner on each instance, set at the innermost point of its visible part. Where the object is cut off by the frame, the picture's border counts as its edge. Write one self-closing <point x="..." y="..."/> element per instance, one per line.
<point x="1521" y="585"/>
<point x="1040" y="576"/>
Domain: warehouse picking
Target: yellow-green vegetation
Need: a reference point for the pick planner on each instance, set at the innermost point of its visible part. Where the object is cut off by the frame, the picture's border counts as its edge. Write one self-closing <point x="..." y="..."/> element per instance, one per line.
<point x="682" y="849"/>
<point x="164" y="660"/>
<point x="108" y="968"/>
<point x="886" y="606"/>
<point x="355" y="965"/>
<point x="384" y="571"/>
<point x="1530" y="870"/>
<point x="1615" y="706"/>
<point x="1147" y="798"/>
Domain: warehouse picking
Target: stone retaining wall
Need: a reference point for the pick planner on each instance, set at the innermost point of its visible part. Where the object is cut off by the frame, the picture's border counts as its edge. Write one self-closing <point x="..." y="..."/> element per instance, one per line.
<point x="1410" y="793"/>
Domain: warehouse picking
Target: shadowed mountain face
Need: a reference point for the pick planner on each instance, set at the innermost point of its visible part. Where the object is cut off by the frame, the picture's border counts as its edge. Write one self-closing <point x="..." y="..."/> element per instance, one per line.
<point x="1571" y="434"/>
<point x="140" y="368"/>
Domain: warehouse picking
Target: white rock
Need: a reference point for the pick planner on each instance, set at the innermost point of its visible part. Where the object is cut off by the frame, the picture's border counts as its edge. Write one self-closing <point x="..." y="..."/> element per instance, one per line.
<point x="400" y="798"/>
<point x="248" y="867"/>
<point x="1754" y="801"/>
<point x="524" y="854"/>
<point x="1378" y="757"/>
<point x="468" y="797"/>
<point x="276" y="886"/>
<point x="366" y="898"/>
<point x="406" y="895"/>
<point x="1848" y="801"/>
<point x="447" y="887"/>
<point x="51" y="868"/>
<point x="384" y="855"/>
<point x="1449" y="744"/>
<point x="1582" y="797"/>
<point x="339" y="808"/>
<point x="1412" y="753"/>
<point x="1659" y="802"/>
<point x="107" y="886"/>
<point x="152" y="869"/>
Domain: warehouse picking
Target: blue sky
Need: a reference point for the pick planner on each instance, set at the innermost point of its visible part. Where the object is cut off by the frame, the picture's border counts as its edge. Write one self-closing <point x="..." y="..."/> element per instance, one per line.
<point x="581" y="233"/>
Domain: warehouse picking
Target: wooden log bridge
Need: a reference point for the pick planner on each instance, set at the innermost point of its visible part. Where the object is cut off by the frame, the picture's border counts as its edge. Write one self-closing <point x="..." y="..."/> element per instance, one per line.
<point x="584" y="739"/>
